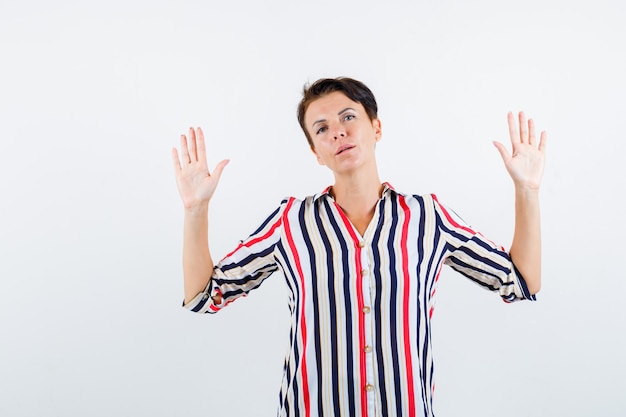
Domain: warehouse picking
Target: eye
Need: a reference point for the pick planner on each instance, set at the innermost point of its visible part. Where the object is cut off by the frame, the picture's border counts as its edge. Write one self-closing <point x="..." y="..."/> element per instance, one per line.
<point x="348" y="117"/>
<point x="322" y="129"/>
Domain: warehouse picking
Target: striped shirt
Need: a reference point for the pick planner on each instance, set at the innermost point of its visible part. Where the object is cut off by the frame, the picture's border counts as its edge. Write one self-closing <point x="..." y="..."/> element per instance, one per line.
<point x="361" y="306"/>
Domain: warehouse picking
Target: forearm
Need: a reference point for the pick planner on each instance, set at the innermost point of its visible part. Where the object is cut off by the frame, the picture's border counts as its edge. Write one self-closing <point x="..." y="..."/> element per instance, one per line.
<point x="197" y="262"/>
<point x="526" y="246"/>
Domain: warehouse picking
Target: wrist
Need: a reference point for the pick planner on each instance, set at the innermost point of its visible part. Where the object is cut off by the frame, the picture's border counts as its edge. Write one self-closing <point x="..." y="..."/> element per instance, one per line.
<point x="522" y="191"/>
<point x="196" y="209"/>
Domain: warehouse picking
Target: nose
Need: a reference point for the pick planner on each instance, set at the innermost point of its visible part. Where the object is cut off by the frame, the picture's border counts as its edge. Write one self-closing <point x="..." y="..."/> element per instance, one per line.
<point x="338" y="131"/>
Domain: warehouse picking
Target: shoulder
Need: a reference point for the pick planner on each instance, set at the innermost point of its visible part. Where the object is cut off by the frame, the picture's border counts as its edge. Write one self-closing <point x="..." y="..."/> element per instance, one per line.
<point x="413" y="199"/>
<point x="290" y="202"/>
<point x="428" y="205"/>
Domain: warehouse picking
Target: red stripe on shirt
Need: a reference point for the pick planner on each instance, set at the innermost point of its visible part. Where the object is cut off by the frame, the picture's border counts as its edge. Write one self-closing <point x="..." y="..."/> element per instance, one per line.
<point x="405" y="304"/>
<point x="432" y="294"/>
<point x="467" y="229"/>
<point x="450" y="219"/>
<point x="360" y="305"/>
<point x="294" y="251"/>
<point x="258" y="239"/>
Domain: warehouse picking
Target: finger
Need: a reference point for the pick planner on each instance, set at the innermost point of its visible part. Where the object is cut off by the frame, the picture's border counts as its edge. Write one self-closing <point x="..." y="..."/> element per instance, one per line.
<point x="217" y="172"/>
<point x="184" y="150"/>
<point x="201" y="147"/>
<point x="531" y="132"/>
<point x="513" y="131"/>
<point x="192" y="145"/>
<point x="543" y="139"/>
<point x="523" y="127"/>
<point x="503" y="152"/>
<point x="176" y="160"/>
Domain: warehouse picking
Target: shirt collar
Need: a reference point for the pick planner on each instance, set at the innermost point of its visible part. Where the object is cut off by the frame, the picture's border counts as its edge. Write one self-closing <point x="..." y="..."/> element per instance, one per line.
<point x="326" y="192"/>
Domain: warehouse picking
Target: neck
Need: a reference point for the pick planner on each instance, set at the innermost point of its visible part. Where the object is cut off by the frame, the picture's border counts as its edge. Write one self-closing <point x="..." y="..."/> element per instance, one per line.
<point x="357" y="194"/>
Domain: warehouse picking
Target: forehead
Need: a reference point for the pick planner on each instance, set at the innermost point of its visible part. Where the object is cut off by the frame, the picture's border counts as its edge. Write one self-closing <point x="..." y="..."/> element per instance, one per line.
<point x="328" y="105"/>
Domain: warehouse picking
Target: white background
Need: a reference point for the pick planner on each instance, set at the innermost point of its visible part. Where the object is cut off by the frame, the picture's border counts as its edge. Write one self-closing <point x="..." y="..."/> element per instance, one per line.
<point x="94" y="96"/>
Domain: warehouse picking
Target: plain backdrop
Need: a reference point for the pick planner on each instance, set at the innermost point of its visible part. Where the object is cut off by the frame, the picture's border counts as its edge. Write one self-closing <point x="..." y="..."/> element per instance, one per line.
<point x="93" y="96"/>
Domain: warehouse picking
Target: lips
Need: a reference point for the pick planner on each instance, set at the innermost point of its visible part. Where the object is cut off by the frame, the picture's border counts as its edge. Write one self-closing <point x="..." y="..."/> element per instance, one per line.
<point x="343" y="148"/>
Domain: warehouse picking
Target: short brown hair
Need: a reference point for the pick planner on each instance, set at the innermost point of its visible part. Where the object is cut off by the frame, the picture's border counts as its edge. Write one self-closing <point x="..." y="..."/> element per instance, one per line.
<point x="353" y="89"/>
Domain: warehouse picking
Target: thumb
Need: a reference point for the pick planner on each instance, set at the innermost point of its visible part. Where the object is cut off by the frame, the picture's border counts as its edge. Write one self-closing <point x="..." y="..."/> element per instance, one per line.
<point x="503" y="151"/>
<point x="217" y="172"/>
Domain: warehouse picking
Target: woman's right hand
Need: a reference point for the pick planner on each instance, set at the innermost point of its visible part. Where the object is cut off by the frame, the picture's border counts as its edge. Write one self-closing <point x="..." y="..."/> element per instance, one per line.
<point x="196" y="184"/>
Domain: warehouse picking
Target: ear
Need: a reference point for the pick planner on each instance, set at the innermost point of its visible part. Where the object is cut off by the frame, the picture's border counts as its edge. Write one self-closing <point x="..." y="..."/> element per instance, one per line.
<point x="319" y="160"/>
<point x="378" y="130"/>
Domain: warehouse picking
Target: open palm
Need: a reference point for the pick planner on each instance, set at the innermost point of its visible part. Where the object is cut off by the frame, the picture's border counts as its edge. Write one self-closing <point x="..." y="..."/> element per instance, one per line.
<point x="196" y="184"/>
<point x="526" y="161"/>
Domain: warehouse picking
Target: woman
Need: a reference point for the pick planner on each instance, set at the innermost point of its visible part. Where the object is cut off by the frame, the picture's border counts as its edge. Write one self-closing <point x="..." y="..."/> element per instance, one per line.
<point x="361" y="260"/>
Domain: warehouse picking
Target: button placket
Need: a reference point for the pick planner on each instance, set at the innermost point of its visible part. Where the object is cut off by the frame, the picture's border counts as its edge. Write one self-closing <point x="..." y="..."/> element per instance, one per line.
<point x="370" y="377"/>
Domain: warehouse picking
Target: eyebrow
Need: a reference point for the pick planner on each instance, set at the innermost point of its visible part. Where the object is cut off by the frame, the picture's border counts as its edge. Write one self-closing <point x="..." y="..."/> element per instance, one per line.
<point x="338" y="114"/>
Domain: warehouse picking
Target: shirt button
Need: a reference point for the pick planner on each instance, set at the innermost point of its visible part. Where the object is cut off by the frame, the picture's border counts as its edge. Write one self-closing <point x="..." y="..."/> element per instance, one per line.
<point x="367" y="349"/>
<point x="361" y="244"/>
<point x="369" y="388"/>
<point x="363" y="271"/>
<point x="366" y="310"/>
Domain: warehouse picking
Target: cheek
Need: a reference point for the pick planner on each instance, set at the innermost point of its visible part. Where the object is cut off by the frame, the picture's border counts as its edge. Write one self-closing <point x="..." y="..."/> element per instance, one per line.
<point x="315" y="151"/>
<point x="319" y="157"/>
<point x="324" y="152"/>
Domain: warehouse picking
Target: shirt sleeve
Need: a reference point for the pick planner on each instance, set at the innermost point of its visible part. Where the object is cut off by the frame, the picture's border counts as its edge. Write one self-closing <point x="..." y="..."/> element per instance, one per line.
<point x="243" y="269"/>
<point x="478" y="258"/>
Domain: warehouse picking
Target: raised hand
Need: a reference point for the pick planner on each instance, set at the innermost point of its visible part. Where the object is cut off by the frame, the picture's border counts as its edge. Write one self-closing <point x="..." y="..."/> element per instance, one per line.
<point x="526" y="161"/>
<point x="196" y="184"/>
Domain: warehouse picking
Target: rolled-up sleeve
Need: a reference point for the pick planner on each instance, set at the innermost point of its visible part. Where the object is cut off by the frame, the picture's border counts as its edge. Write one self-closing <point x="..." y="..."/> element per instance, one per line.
<point x="242" y="270"/>
<point x="479" y="259"/>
